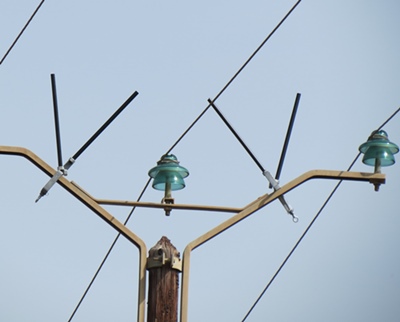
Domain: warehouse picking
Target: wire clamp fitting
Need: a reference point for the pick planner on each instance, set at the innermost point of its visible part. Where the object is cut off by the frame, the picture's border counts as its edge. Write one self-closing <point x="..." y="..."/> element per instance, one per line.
<point x="167" y="201"/>
<point x="63" y="170"/>
<point x="160" y="259"/>
<point x="275" y="185"/>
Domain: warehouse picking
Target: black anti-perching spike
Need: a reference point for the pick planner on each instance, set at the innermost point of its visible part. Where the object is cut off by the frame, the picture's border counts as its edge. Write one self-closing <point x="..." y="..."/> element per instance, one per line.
<point x="62" y="169"/>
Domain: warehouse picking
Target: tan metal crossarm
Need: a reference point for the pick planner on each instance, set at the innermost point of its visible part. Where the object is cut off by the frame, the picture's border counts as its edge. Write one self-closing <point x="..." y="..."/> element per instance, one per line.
<point x="375" y="178"/>
<point x="241" y="213"/>
<point x="96" y="208"/>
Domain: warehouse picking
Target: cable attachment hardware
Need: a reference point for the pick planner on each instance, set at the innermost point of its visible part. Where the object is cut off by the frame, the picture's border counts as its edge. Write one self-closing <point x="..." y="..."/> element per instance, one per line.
<point x="63" y="170"/>
<point x="164" y="254"/>
<point x="167" y="201"/>
<point x="275" y="185"/>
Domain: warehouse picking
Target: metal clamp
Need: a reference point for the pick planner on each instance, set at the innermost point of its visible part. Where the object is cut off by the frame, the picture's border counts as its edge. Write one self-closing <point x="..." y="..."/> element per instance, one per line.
<point x="275" y="185"/>
<point x="167" y="201"/>
<point x="161" y="260"/>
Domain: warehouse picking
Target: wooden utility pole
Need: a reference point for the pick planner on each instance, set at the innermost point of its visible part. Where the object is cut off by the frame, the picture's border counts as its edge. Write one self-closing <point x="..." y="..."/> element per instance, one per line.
<point x="164" y="265"/>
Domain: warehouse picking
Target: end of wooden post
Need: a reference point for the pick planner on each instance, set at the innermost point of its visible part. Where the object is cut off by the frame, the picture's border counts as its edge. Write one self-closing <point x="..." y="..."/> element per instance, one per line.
<point x="164" y="265"/>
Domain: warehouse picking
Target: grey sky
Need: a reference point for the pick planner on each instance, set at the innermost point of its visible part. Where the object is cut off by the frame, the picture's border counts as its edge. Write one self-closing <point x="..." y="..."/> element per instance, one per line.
<point x="342" y="56"/>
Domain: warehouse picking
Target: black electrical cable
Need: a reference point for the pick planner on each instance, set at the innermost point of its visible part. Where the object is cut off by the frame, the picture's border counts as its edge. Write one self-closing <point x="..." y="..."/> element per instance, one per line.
<point x="297" y="243"/>
<point x="234" y="76"/>
<point x="22" y="31"/>
<point x="389" y="119"/>
<point x="106" y="256"/>
<point x="309" y="226"/>
<point x="179" y="139"/>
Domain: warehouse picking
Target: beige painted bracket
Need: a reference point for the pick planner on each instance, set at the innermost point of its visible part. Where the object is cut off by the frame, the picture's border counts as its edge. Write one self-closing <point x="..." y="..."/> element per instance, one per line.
<point x="240" y="214"/>
<point x="374" y="178"/>
<point x="97" y="209"/>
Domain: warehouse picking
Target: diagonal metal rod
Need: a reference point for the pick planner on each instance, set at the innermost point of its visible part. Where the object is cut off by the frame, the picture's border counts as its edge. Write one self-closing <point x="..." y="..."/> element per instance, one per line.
<point x="234" y="76"/>
<point x="21" y="32"/>
<point x="56" y="120"/>
<point x="288" y="133"/>
<point x="103" y="127"/>
<point x="272" y="181"/>
<point x="71" y="161"/>
<point x="286" y="143"/>
<point x="236" y="135"/>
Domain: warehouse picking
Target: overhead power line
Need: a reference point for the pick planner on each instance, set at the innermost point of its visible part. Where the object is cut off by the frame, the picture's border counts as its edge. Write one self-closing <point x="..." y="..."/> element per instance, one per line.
<point x="106" y="256"/>
<point x="22" y="31"/>
<point x="309" y="226"/>
<point x="234" y="76"/>
<point x="176" y="143"/>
